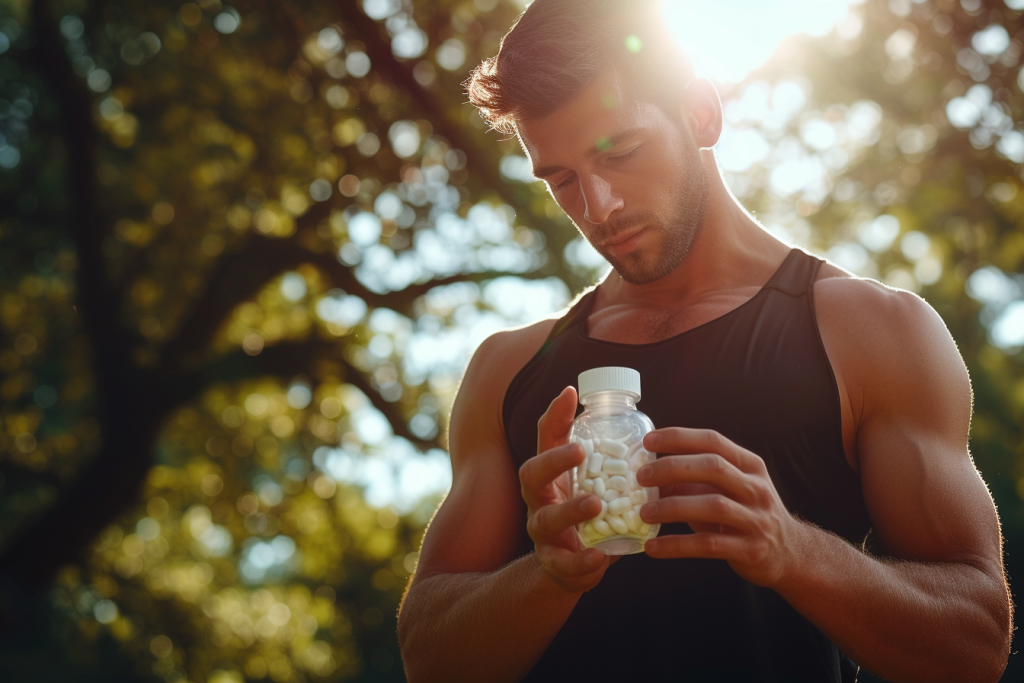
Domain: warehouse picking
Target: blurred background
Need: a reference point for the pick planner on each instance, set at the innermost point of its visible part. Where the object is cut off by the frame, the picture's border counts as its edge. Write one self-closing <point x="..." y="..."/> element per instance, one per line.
<point x="247" y="249"/>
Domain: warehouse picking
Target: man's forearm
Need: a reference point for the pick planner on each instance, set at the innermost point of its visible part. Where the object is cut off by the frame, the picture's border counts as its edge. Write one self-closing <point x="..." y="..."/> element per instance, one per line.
<point x="905" y="621"/>
<point x="481" y="626"/>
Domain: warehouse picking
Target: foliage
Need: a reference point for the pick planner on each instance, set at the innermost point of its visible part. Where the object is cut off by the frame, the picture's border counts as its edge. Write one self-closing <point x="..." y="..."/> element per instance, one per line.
<point x="247" y="249"/>
<point x="243" y="271"/>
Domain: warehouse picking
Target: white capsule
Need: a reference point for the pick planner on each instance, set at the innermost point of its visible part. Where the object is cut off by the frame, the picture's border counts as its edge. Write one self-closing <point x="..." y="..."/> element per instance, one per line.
<point x="613" y="467"/>
<point x="588" y="485"/>
<point x="602" y="528"/>
<point x="614" y="448"/>
<point x="637" y="496"/>
<point x="588" y="446"/>
<point x="633" y="447"/>
<point x="638" y="459"/>
<point x="632" y="520"/>
<point x="618" y="483"/>
<point x="645" y="528"/>
<point x="599" y="487"/>
<point x="616" y="523"/>
<point x="631" y="480"/>
<point x="594" y="463"/>
<point x="611" y="494"/>
<point x="604" y="511"/>
<point x="619" y="505"/>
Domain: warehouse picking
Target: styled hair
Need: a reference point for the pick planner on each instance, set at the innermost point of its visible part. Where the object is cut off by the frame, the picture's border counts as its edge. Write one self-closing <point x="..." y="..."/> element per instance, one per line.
<point x="556" y="48"/>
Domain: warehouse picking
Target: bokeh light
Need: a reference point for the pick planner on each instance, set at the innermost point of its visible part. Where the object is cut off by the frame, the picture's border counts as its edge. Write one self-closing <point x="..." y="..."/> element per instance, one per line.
<point x="304" y="234"/>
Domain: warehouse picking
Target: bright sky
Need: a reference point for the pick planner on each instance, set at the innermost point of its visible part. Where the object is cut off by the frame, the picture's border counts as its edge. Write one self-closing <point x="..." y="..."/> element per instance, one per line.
<point x="727" y="38"/>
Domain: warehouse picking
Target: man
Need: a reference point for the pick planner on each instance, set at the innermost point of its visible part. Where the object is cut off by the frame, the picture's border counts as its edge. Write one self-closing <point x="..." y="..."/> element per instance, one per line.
<point x="799" y="408"/>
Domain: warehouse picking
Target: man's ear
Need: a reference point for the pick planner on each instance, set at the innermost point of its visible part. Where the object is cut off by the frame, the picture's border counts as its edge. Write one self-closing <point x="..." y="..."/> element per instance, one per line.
<point x="702" y="109"/>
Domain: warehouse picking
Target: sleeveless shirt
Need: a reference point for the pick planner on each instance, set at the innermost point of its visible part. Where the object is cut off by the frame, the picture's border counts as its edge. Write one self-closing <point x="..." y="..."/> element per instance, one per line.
<point x="759" y="375"/>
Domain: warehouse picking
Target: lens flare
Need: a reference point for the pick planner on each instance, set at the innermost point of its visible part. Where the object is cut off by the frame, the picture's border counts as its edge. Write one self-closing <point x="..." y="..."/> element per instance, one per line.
<point x="726" y="40"/>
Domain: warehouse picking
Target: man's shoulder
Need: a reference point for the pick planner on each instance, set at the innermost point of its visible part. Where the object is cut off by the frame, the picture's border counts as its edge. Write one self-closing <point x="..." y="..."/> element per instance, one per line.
<point x="507" y="351"/>
<point x="866" y="307"/>
<point x="885" y="337"/>
<point x="517" y="341"/>
<point x="501" y="355"/>
<point x="493" y="366"/>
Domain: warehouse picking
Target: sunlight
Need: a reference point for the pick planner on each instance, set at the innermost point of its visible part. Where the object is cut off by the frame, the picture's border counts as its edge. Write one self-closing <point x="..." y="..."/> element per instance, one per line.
<point x="726" y="40"/>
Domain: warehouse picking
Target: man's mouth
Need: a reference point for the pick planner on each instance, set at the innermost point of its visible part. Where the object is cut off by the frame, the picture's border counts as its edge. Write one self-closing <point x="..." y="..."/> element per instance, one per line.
<point x="623" y="242"/>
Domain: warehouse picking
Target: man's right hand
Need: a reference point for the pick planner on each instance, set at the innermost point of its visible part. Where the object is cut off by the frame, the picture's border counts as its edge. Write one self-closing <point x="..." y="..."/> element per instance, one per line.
<point x="552" y="512"/>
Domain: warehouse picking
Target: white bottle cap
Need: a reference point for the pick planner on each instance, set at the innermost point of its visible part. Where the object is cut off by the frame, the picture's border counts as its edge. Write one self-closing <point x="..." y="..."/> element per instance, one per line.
<point x="610" y="379"/>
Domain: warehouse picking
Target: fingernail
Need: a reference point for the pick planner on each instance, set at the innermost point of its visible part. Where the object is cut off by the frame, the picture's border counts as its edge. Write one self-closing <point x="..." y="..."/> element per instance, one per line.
<point x="647" y="510"/>
<point x="652" y="440"/>
<point x="584" y="502"/>
<point x="644" y="473"/>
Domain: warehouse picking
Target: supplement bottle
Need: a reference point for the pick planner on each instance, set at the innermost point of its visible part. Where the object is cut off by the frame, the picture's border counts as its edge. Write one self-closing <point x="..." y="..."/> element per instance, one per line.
<point x="611" y="431"/>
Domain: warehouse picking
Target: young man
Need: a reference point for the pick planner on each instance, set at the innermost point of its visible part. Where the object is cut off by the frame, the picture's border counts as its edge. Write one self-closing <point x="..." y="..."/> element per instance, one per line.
<point x="799" y="408"/>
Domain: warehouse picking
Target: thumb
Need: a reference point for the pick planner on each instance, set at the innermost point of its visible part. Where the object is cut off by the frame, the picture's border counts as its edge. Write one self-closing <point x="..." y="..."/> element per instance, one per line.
<point x="554" y="425"/>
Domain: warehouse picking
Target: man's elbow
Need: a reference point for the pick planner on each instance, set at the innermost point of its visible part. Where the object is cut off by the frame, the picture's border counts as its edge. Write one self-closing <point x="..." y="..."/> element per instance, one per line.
<point x="410" y="634"/>
<point x="992" y="651"/>
<point x="1002" y="636"/>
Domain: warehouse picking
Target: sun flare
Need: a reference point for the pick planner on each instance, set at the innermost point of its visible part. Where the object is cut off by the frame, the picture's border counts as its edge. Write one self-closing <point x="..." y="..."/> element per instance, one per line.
<point x="727" y="39"/>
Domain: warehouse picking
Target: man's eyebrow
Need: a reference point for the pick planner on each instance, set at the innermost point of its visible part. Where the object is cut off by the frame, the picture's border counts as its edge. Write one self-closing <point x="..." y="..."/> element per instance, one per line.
<point x="602" y="144"/>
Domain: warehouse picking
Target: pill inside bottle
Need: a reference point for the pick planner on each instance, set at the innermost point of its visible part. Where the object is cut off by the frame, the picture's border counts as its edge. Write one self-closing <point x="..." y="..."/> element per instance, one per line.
<point x="611" y="432"/>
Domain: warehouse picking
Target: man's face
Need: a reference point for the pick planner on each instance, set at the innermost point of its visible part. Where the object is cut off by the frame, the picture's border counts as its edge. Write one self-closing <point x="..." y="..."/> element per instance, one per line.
<point x="630" y="177"/>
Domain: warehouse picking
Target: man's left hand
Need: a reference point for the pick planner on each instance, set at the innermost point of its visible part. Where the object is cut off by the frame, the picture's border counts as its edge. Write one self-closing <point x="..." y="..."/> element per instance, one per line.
<point x="724" y="493"/>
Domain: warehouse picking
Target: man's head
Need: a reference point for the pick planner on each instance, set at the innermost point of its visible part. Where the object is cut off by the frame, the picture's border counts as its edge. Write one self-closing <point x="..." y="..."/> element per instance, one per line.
<point x="603" y="102"/>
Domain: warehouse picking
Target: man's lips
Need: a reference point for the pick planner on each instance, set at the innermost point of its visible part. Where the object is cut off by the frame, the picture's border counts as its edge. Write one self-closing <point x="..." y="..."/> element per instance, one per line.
<point x="622" y="238"/>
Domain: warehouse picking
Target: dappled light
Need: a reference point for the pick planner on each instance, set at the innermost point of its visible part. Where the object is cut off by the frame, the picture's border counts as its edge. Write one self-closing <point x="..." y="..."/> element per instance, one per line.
<point x="248" y="251"/>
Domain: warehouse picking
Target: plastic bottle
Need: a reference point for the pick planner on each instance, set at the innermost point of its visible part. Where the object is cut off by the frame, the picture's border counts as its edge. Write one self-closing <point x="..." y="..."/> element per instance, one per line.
<point x="611" y="431"/>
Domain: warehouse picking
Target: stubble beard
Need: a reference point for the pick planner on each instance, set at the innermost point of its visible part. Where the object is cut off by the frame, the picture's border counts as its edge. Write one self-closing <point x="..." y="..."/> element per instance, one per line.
<point x="679" y="230"/>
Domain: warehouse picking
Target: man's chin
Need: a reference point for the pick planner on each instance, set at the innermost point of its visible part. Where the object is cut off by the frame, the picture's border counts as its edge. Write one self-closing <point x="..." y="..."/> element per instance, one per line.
<point x="638" y="272"/>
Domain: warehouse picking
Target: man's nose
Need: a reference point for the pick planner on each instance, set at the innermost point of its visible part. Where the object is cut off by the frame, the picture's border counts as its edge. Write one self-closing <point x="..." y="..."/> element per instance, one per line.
<point x="599" y="199"/>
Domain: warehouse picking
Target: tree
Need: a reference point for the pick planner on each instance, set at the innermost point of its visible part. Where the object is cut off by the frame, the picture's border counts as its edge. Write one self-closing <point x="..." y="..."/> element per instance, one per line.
<point x="247" y="248"/>
<point x="237" y="219"/>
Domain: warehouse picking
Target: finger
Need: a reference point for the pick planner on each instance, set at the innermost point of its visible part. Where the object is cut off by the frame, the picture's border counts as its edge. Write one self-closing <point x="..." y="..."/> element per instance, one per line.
<point x="570" y="564"/>
<point x="554" y="425"/>
<point x="707" y="545"/>
<point x="712" y="508"/>
<point x="685" y="488"/>
<point x="685" y="441"/>
<point x="703" y="468"/>
<point x="537" y="473"/>
<point x="551" y="520"/>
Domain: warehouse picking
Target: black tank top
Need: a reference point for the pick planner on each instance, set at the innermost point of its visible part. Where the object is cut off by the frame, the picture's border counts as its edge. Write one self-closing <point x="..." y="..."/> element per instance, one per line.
<point x="759" y="375"/>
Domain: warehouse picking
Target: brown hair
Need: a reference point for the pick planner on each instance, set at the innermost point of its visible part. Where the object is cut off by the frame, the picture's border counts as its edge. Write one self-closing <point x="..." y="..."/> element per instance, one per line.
<point x="558" y="47"/>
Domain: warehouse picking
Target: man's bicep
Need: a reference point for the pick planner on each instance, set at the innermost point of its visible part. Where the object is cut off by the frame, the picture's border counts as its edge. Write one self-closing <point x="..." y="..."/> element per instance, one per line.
<point x="926" y="499"/>
<point x="481" y="523"/>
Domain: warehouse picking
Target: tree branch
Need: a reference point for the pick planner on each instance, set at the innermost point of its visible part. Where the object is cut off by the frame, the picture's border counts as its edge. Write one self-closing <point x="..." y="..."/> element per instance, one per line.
<point x="384" y="62"/>
<point x="241" y="274"/>
<point x="93" y="290"/>
<point x="236" y="278"/>
<point x="285" y="360"/>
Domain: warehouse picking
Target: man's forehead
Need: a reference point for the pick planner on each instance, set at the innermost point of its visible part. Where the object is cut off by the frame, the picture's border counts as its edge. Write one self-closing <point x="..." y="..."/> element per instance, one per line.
<point x="590" y="123"/>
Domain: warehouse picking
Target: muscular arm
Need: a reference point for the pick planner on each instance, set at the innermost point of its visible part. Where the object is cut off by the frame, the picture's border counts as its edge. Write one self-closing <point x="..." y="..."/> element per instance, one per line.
<point x="472" y="612"/>
<point x="936" y="607"/>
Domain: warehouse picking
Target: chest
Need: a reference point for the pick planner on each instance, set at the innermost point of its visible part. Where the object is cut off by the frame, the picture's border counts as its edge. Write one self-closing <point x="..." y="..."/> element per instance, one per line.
<point x="639" y="324"/>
